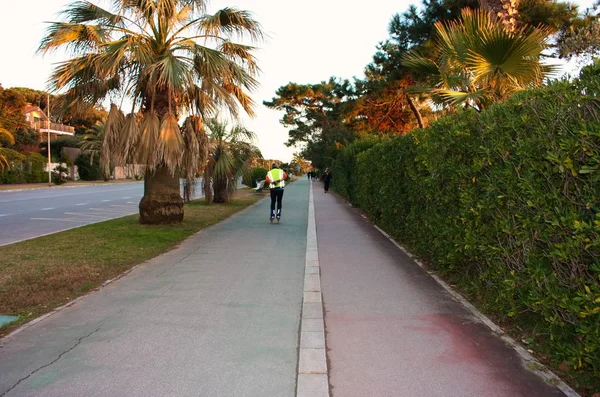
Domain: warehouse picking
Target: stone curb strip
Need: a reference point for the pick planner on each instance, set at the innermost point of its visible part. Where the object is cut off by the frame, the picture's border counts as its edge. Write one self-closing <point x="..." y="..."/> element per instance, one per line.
<point x="313" y="380"/>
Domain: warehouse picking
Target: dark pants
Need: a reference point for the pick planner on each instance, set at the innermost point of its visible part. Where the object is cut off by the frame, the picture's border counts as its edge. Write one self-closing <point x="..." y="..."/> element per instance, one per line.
<point x="326" y="186"/>
<point x="276" y="196"/>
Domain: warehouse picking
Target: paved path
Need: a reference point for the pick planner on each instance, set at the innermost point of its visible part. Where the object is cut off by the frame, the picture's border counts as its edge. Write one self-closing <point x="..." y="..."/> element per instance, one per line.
<point x="220" y="316"/>
<point x="215" y="317"/>
<point x="392" y="331"/>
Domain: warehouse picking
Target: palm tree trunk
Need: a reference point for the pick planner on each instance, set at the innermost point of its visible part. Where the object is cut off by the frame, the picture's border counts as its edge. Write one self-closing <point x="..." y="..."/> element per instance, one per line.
<point x="162" y="202"/>
<point x="220" y="189"/>
<point x="415" y="110"/>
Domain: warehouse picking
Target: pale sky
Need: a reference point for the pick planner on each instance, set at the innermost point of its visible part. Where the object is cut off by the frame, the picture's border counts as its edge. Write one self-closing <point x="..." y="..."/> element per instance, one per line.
<point x="309" y="41"/>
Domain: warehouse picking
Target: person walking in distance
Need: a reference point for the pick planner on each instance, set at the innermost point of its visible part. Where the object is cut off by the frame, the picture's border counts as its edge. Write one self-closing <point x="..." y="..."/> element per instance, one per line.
<point x="276" y="180"/>
<point x="326" y="179"/>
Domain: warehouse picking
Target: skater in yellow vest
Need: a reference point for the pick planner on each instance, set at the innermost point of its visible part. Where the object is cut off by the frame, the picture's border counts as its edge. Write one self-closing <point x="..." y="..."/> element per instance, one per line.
<point x="276" y="180"/>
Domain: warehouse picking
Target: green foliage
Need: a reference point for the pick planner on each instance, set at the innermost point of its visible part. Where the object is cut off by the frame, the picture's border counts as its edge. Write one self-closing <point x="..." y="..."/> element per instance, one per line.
<point x="88" y="169"/>
<point x="34" y="161"/>
<point x="507" y="203"/>
<point x="58" y="144"/>
<point x="232" y="151"/>
<point x="316" y="115"/>
<point x="344" y="167"/>
<point x="59" y="175"/>
<point x="24" y="168"/>
<point x="476" y="60"/>
<point x="26" y="138"/>
<point x="12" y="156"/>
<point x="17" y="176"/>
<point x="256" y="173"/>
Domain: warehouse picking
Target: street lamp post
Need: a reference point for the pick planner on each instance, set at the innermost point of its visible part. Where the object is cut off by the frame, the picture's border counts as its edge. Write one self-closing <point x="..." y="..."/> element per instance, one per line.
<point x="48" y="129"/>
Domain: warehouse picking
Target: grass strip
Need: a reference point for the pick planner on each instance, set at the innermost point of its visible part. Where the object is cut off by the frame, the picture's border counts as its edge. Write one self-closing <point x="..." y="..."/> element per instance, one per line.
<point x="39" y="275"/>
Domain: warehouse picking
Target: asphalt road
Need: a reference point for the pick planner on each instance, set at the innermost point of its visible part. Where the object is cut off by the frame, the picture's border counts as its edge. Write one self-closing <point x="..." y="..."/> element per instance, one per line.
<point x="33" y="213"/>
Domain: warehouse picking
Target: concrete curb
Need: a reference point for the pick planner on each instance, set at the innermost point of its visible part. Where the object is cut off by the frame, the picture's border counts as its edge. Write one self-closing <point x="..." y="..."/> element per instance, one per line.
<point x="313" y="378"/>
<point x="530" y="362"/>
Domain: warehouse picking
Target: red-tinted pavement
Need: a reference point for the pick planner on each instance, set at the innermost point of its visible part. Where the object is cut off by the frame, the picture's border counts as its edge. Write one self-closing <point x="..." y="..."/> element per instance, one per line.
<point x="393" y="331"/>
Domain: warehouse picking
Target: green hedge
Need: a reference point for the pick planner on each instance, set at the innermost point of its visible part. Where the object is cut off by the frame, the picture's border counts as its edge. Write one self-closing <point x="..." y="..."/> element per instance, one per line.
<point x="87" y="171"/>
<point x="344" y="167"/>
<point x="507" y="204"/>
<point x="16" y="176"/>
<point x="256" y="173"/>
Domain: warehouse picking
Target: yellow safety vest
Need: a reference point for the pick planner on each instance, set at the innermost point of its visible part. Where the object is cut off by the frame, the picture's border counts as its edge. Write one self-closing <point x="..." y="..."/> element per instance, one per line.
<point x="274" y="175"/>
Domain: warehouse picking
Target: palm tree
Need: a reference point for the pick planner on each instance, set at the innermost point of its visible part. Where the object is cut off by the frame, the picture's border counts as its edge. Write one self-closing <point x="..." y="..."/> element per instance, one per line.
<point x="230" y="157"/>
<point x="477" y="61"/>
<point x="7" y="135"/>
<point x="92" y="140"/>
<point x="170" y="58"/>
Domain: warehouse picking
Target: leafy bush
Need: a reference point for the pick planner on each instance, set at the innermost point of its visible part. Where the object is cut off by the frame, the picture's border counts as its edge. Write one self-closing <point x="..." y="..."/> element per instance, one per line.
<point x="256" y="173"/>
<point x="12" y="156"/>
<point x="344" y="167"/>
<point x="507" y="204"/>
<point x="60" y="175"/>
<point x="87" y="171"/>
<point x="34" y="161"/>
<point x="59" y="143"/>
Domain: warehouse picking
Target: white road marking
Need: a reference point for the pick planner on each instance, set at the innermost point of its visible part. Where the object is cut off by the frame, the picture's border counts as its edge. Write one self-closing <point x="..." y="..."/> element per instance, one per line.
<point x="60" y="219"/>
<point x="112" y="214"/>
<point x="88" y="215"/>
<point x="1" y="215"/>
<point x="131" y="202"/>
<point x="106" y="201"/>
<point x="81" y="204"/>
<point x="125" y="198"/>
<point x="47" y="209"/>
<point x="122" y="206"/>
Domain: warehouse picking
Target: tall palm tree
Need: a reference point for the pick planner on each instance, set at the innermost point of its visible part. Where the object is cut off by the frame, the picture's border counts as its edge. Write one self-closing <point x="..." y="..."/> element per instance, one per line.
<point x="476" y="60"/>
<point x="230" y="157"/>
<point x="170" y="58"/>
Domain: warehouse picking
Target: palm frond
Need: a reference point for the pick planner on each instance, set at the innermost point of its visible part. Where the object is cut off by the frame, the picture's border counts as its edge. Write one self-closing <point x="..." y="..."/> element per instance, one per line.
<point x="170" y="143"/>
<point x="7" y="135"/>
<point x="147" y="152"/>
<point x="80" y="12"/>
<point x="110" y="153"/>
<point x="75" y="38"/>
<point x="232" y="21"/>
<point x="412" y="59"/>
<point x="130" y="135"/>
